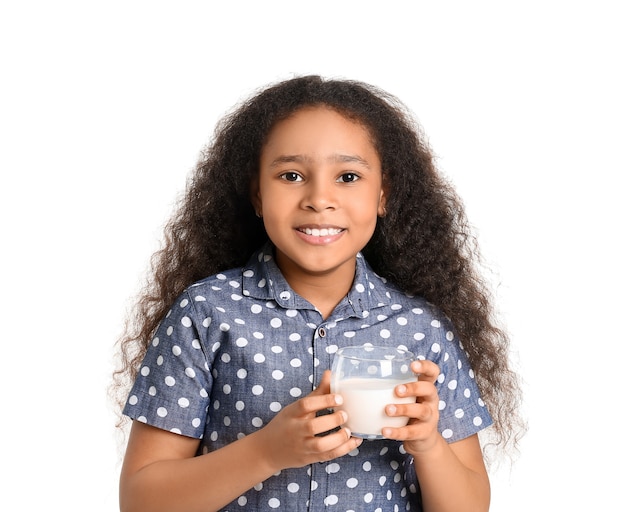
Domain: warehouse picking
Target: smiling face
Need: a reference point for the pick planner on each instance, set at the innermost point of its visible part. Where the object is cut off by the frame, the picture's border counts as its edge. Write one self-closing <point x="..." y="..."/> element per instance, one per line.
<point x="320" y="192"/>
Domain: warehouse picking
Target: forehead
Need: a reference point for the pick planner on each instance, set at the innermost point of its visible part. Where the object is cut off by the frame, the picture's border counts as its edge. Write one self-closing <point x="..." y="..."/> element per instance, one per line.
<point x="313" y="130"/>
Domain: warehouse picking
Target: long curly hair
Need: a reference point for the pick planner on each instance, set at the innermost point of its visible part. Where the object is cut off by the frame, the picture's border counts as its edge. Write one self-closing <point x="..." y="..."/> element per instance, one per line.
<point x="424" y="243"/>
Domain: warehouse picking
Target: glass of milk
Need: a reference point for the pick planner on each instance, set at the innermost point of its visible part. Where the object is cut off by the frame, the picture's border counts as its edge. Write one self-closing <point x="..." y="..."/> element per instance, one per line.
<point x="365" y="377"/>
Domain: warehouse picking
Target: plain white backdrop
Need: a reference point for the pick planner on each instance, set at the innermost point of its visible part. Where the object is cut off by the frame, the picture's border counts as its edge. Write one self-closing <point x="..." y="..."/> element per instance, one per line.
<point x="105" y="106"/>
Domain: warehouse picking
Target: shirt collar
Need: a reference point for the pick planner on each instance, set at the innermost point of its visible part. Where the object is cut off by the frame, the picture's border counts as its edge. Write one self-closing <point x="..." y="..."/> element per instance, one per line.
<point x="262" y="279"/>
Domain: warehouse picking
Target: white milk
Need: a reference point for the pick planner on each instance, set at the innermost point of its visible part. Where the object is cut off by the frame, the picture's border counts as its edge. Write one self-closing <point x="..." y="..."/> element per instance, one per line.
<point x="364" y="401"/>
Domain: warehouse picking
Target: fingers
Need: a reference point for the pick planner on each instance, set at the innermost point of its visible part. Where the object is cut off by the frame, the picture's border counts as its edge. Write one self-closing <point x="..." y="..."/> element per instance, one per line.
<point x="425" y="370"/>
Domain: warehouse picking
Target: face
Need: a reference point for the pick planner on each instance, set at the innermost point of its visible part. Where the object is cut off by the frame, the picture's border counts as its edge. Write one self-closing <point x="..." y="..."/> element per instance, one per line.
<point x="319" y="192"/>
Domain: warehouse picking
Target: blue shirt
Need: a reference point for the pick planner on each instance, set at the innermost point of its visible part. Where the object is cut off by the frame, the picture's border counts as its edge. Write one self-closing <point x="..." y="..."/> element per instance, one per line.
<point x="239" y="346"/>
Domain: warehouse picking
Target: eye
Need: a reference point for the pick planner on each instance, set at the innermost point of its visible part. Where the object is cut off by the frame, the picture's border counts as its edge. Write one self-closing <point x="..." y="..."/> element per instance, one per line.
<point x="291" y="176"/>
<point x="349" y="177"/>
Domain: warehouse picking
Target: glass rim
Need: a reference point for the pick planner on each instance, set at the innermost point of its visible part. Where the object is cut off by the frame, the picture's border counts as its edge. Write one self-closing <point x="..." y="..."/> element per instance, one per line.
<point x="377" y="352"/>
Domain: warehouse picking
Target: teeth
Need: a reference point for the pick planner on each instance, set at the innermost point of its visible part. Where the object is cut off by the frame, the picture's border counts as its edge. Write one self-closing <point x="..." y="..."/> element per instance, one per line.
<point x="322" y="232"/>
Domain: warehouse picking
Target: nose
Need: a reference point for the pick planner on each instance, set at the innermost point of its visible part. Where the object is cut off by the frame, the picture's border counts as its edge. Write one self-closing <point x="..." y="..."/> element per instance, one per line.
<point x="320" y="195"/>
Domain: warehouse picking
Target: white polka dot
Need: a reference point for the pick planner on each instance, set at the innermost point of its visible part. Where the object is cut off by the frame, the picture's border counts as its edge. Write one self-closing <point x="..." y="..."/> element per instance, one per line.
<point x="133" y="400"/>
<point x="257" y="390"/>
<point x="419" y="336"/>
<point x="367" y="466"/>
<point x="239" y="405"/>
<point x="385" y="334"/>
<point x="277" y="375"/>
<point x="452" y="384"/>
<point x="352" y="483"/>
<point x="295" y="363"/>
<point x="293" y="487"/>
<point x="295" y="392"/>
<point x="226" y="357"/>
<point x="242" y="373"/>
<point x="162" y="412"/>
<point x="368" y="497"/>
<point x="436" y="348"/>
<point x="186" y="321"/>
<point x="155" y="342"/>
<point x="258" y="335"/>
<point x="259" y="358"/>
<point x="152" y="391"/>
<point x="190" y="372"/>
<point x="256" y="309"/>
<point x="257" y="422"/>
<point x="183" y="402"/>
<point x="291" y="313"/>
<point x="275" y="406"/>
<point x="478" y="421"/>
<point x="435" y="323"/>
<point x="195" y="422"/>
<point x="145" y="371"/>
<point x="274" y="503"/>
<point x="170" y="381"/>
<point x="160" y="361"/>
<point x="447" y="433"/>
<point x="295" y="337"/>
<point x="276" y="323"/>
<point x="401" y="320"/>
<point x="449" y="335"/>
<point x="226" y="389"/>
<point x="467" y="393"/>
<point x="359" y="288"/>
<point x="242" y="501"/>
<point x="176" y="350"/>
<point x="206" y="322"/>
<point x="331" y="500"/>
<point x="459" y="413"/>
<point x="332" y="468"/>
<point x="224" y="327"/>
<point x="241" y="342"/>
<point x="196" y="344"/>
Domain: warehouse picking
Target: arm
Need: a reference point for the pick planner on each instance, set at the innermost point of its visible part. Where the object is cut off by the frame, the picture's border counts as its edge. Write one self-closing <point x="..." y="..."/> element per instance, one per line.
<point x="452" y="476"/>
<point x="161" y="473"/>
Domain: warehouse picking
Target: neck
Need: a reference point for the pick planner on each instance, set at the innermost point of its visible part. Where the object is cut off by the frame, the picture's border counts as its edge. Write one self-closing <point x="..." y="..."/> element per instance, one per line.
<point x="325" y="290"/>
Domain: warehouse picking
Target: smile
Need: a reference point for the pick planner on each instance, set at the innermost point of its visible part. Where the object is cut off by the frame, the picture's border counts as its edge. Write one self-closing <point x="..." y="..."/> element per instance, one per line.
<point x="321" y="232"/>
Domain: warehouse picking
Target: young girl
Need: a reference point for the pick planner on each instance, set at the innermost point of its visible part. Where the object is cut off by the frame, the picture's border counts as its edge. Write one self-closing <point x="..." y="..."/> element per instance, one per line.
<point x="315" y="220"/>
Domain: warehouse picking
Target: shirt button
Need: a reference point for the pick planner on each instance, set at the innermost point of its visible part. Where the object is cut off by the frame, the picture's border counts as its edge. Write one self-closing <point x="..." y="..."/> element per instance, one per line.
<point x="322" y="332"/>
<point x="285" y="295"/>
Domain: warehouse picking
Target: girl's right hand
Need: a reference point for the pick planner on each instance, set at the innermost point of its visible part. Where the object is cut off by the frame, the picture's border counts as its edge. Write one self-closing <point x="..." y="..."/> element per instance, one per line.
<point x="291" y="438"/>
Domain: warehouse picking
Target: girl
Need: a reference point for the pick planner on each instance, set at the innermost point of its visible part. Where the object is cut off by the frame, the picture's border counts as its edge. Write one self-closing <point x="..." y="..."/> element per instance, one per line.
<point x="321" y="222"/>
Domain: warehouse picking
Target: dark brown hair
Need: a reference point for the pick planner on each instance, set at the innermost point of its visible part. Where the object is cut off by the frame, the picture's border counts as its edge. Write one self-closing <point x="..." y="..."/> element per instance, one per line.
<point x="424" y="243"/>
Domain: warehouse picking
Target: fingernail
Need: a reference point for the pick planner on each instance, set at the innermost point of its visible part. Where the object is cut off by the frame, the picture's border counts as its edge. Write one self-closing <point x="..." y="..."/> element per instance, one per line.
<point x="391" y="409"/>
<point x="386" y="432"/>
<point x="401" y="389"/>
<point x="348" y="431"/>
<point x="338" y="399"/>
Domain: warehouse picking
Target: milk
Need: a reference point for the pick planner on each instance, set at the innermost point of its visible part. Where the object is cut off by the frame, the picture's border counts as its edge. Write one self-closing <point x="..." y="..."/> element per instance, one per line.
<point x="364" y="401"/>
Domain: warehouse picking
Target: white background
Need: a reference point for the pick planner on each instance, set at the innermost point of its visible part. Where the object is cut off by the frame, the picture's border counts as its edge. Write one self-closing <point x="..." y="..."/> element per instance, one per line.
<point x="104" y="107"/>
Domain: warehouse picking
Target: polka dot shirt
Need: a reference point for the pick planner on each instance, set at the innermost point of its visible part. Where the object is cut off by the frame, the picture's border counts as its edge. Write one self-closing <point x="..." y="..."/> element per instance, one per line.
<point x="239" y="346"/>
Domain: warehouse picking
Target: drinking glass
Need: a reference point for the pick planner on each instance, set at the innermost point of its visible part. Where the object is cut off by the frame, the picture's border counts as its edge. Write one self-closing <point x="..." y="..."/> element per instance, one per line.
<point x="365" y="376"/>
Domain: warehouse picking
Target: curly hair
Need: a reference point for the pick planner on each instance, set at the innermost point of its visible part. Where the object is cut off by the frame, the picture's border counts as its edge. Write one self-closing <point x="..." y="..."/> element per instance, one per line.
<point x="423" y="244"/>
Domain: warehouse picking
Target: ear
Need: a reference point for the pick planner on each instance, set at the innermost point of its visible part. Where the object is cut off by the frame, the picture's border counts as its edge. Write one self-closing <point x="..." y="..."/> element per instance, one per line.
<point x="382" y="201"/>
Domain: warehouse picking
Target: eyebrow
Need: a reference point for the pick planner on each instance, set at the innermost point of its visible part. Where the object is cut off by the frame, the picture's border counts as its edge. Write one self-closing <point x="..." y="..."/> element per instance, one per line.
<point x="339" y="158"/>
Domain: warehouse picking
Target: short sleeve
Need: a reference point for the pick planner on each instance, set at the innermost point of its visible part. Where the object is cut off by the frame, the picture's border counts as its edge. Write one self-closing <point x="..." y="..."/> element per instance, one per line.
<point x="173" y="384"/>
<point x="462" y="412"/>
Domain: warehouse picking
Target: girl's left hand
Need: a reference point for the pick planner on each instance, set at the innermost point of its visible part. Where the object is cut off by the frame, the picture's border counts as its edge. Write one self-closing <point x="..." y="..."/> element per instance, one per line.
<point x="421" y="433"/>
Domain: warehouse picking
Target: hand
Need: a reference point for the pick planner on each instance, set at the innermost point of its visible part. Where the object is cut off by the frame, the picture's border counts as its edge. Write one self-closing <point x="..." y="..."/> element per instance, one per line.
<point x="421" y="432"/>
<point x="291" y="439"/>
